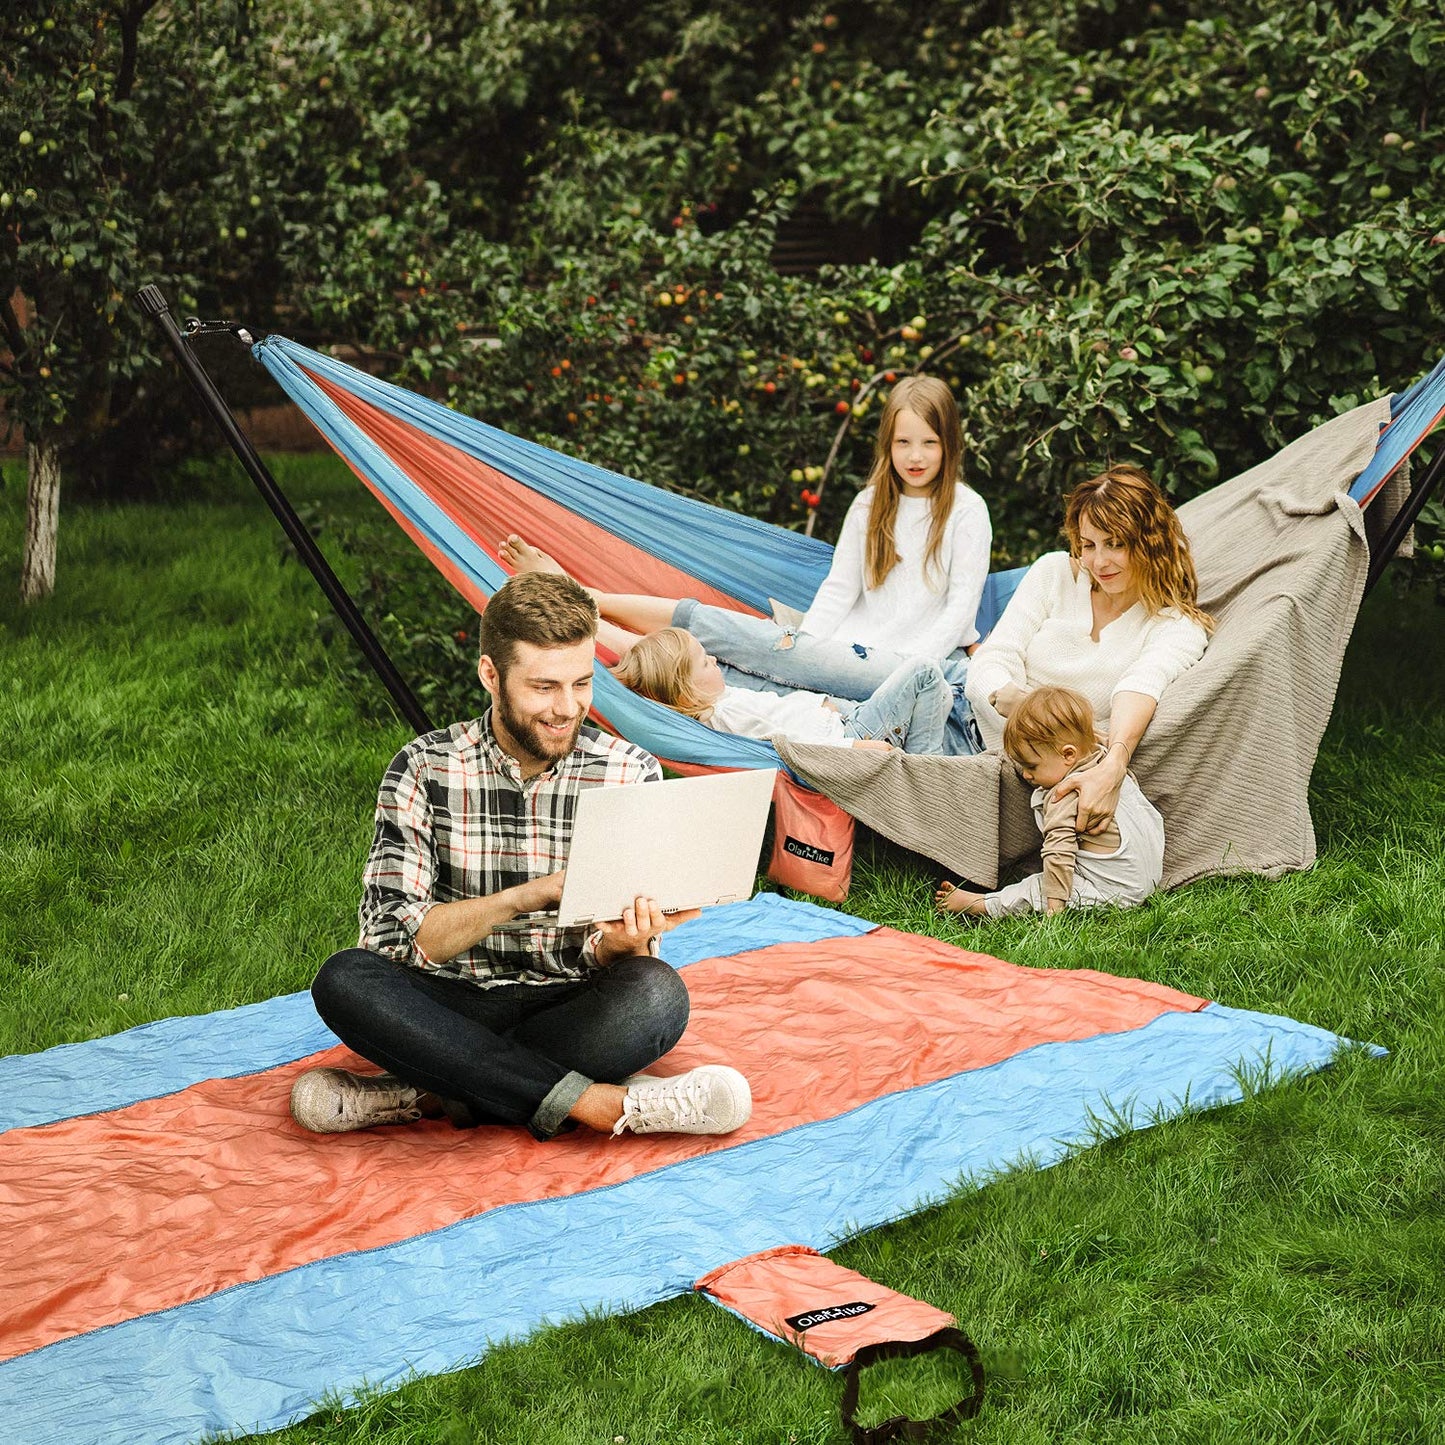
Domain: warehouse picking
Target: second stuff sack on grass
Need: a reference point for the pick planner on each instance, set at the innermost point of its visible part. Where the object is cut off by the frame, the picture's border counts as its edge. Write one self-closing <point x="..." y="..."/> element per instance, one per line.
<point x="844" y="1320"/>
<point x="812" y="842"/>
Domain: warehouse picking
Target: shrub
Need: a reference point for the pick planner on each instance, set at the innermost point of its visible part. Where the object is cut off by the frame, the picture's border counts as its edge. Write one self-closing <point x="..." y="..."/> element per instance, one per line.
<point x="1177" y="238"/>
<point x="1178" y="241"/>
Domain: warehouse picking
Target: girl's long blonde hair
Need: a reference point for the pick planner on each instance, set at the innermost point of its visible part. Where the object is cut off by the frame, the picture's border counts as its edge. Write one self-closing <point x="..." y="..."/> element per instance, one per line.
<point x="929" y="398"/>
<point x="659" y="666"/>
<point x="1126" y="505"/>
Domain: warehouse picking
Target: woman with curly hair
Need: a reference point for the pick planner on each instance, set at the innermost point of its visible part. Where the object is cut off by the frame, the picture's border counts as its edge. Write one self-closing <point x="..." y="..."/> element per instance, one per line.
<point x="1116" y="617"/>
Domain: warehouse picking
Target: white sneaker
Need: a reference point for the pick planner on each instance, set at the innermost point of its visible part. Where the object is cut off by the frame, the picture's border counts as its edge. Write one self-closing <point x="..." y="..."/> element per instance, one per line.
<point x="711" y="1099"/>
<point x="336" y="1101"/>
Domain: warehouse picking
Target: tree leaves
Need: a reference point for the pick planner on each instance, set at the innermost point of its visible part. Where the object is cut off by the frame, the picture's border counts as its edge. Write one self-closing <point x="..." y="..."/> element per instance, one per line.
<point x="1128" y="234"/>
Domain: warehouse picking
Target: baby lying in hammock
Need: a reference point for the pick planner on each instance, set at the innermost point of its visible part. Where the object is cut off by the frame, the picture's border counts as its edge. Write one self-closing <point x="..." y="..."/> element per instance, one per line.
<point x="909" y="710"/>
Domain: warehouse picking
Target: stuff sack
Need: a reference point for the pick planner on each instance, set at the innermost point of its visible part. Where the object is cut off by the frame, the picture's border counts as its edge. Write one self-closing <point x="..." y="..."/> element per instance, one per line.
<point x="812" y="841"/>
<point x="843" y="1319"/>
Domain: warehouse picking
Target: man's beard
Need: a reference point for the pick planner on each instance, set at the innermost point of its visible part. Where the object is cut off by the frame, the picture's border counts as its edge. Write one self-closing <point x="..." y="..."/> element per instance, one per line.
<point x="528" y="734"/>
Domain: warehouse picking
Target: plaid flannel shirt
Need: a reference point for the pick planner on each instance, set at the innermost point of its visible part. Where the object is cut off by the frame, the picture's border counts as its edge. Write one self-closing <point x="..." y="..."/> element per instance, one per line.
<point x="455" y="820"/>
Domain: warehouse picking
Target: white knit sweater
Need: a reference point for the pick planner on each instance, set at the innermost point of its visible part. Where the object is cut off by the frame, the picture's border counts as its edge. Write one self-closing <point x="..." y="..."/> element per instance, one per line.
<point x="1044" y="638"/>
<point x="912" y="612"/>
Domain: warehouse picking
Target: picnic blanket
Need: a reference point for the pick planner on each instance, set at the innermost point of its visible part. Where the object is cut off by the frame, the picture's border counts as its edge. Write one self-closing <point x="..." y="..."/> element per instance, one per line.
<point x="1282" y="553"/>
<point x="177" y="1256"/>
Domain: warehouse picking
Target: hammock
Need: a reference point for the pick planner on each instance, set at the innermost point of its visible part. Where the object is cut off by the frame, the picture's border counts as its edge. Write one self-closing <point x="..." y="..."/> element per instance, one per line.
<point x="457" y="486"/>
<point x="1414" y="414"/>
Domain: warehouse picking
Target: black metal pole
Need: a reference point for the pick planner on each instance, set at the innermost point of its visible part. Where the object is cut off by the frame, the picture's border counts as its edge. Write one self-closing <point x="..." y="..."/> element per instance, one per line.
<point x="1404" y="519"/>
<point x="155" y="306"/>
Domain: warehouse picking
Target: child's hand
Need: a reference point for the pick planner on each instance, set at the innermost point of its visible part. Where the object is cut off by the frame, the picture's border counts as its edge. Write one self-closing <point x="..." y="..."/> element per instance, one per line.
<point x="1054" y="905"/>
<point x="1007" y="698"/>
<point x="873" y="745"/>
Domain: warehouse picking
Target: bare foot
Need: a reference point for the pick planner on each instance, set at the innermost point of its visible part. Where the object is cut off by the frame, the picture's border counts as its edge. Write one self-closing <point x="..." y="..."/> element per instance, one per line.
<point x="949" y="899"/>
<point x="521" y="557"/>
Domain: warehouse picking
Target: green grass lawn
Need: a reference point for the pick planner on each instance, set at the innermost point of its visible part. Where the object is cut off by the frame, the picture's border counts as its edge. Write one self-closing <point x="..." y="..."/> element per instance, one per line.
<point x="185" y="809"/>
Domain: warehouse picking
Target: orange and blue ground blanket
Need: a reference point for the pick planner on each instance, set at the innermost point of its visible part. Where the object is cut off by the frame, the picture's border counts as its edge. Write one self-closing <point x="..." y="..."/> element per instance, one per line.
<point x="178" y="1257"/>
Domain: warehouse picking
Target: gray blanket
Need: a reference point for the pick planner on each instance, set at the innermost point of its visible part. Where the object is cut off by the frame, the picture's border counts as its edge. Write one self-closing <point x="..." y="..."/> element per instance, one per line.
<point x="1282" y="555"/>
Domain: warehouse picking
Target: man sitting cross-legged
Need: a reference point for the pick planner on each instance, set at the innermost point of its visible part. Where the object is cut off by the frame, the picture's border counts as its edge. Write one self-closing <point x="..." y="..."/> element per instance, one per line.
<point x="536" y="1025"/>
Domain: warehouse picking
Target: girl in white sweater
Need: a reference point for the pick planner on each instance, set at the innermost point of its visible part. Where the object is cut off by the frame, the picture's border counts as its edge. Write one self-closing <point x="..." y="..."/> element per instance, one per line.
<point x="913" y="555"/>
<point x="905" y="582"/>
<point x="1116" y="617"/>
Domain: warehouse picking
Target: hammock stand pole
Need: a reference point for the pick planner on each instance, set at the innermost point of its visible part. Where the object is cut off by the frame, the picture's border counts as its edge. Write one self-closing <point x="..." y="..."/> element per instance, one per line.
<point x="158" y="309"/>
<point x="1404" y="519"/>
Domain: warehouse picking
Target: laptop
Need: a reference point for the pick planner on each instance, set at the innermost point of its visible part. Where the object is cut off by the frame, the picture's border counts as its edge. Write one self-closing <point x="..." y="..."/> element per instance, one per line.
<point x="687" y="842"/>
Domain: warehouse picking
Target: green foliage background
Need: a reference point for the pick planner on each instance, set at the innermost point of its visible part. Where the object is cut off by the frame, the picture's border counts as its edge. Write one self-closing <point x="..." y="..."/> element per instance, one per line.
<point x="1178" y="235"/>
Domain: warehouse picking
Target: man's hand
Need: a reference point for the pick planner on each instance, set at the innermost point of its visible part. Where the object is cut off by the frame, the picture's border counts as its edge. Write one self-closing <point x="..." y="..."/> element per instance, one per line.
<point x="451" y="928"/>
<point x="641" y="922"/>
<point x="1098" y="789"/>
<point x="539" y="895"/>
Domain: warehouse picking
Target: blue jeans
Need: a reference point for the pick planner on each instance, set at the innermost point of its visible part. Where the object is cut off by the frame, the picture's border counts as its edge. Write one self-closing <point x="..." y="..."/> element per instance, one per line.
<point x="520" y="1053"/>
<point x="756" y="653"/>
<point x="910" y="710"/>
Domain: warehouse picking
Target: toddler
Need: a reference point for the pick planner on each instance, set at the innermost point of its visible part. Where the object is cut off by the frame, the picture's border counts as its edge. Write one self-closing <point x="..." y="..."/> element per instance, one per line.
<point x="1049" y="736"/>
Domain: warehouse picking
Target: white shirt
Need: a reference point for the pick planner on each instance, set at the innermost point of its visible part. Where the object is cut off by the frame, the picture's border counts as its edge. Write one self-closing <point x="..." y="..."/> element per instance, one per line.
<point x="800" y="716"/>
<point x="1045" y="638"/>
<point x="916" y="612"/>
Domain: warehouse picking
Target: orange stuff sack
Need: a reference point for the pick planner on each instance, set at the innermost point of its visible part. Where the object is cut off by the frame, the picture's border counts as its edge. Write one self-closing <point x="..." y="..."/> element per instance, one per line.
<point x="842" y="1318"/>
<point x="812" y="842"/>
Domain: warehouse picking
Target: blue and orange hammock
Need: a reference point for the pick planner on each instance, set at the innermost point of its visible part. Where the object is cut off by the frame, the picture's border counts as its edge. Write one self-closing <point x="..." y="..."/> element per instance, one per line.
<point x="458" y="486"/>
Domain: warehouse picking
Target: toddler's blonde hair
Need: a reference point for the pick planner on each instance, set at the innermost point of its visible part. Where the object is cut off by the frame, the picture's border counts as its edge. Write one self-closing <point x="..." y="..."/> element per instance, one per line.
<point x="1050" y="718"/>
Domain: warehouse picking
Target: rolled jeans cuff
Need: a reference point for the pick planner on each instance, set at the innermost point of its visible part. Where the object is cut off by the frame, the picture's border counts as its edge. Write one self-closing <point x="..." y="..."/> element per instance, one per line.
<point x="553" y="1111"/>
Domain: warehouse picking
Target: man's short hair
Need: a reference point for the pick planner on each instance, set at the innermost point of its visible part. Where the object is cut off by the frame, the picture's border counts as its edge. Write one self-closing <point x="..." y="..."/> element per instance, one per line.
<point x="540" y="608"/>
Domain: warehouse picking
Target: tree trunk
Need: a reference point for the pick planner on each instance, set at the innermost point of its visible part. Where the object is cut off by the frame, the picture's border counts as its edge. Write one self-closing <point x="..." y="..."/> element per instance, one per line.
<point x="42" y="512"/>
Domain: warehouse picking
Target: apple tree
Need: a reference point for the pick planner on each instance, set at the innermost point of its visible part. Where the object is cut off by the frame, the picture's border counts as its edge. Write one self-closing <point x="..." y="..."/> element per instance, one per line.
<point x="1146" y="233"/>
<point x="114" y="129"/>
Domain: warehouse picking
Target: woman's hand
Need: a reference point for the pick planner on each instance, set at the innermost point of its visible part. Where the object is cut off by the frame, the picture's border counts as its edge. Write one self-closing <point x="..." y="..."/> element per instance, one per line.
<point x="1098" y="789"/>
<point x="1007" y="698"/>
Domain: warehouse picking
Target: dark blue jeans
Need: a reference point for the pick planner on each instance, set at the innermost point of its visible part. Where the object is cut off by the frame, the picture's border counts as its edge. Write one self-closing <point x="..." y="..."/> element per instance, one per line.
<point x="517" y="1053"/>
